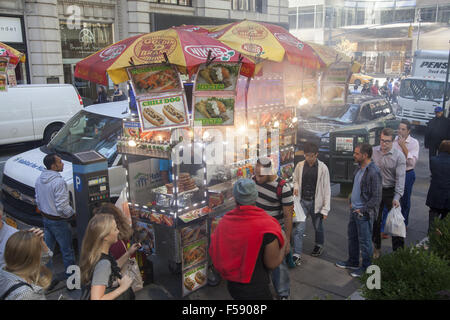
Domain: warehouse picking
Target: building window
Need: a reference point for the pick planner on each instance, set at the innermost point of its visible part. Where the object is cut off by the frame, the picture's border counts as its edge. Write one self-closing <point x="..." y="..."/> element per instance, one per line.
<point x="292" y="18"/>
<point x="250" y="5"/>
<point x="427" y="14"/>
<point x="360" y="17"/>
<point x="187" y="3"/>
<point x="444" y="14"/>
<point x="404" y="15"/>
<point x="306" y="17"/>
<point x="319" y="17"/>
<point x="387" y="16"/>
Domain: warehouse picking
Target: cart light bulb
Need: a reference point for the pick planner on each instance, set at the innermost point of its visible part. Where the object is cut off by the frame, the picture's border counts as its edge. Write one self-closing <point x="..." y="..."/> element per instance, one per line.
<point x="206" y="135"/>
<point x="276" y="124"/>
<point x="294" y="119"/>
<point x="132" y="143"/>
<point x="252" y="122"/>
<point x="242" y="129"/>
<point x="191" y="133"/>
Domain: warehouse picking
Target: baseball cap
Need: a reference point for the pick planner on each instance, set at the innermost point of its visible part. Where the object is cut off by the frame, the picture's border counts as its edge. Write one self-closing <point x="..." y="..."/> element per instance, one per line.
<point x="244" y="192"/>
<point x="438" y="109"/>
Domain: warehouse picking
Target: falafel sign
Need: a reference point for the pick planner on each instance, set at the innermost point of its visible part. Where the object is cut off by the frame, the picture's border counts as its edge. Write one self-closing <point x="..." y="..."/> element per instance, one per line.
<point x="217" y="77"/>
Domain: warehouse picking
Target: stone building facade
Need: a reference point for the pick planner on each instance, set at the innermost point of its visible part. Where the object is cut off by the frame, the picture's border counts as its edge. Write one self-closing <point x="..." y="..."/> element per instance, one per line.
<point x="56" y="34"/>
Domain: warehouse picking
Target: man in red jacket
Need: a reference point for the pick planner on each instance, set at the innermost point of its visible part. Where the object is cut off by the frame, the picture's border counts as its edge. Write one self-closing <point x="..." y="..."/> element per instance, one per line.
<point x="246" y="244"/>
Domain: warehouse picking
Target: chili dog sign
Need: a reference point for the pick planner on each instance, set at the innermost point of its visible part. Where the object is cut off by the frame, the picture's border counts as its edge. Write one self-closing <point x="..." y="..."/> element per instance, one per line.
<point x="163" y="112"/>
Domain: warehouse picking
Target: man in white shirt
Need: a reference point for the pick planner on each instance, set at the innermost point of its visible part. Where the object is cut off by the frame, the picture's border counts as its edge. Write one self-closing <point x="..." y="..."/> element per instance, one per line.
<point x="410" y="148"/>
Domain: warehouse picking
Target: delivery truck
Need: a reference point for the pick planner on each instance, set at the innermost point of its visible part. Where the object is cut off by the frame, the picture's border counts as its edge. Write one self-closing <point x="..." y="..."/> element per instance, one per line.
<point x="424" y="89"/>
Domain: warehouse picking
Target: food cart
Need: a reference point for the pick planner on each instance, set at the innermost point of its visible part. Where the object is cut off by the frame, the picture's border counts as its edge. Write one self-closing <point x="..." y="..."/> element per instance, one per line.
<point x="181" y="167"/>
<point x="181" y="171"/>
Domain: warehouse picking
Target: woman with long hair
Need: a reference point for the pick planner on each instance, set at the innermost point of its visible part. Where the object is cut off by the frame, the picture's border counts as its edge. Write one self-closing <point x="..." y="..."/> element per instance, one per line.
<point x="100" y="272"/>
<point x="118" y="249"/>
<point x="25" y="277"/>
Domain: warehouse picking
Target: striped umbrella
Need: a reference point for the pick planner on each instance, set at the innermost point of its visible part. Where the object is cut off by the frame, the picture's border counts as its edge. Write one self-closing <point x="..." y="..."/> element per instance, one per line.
<point x="185" y="48"/>
<point x="14" y="55"/>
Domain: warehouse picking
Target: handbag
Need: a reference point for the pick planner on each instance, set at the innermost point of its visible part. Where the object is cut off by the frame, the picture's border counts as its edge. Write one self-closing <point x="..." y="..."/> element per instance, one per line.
<point x="131" y="268"/>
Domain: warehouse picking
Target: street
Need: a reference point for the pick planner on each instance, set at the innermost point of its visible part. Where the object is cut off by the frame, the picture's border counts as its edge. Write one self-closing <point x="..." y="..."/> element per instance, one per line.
<point x="317" y="278"/>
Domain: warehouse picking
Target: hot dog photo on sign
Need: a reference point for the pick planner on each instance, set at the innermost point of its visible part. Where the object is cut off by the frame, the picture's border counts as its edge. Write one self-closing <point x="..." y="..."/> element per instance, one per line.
<point x="160" y="112"/>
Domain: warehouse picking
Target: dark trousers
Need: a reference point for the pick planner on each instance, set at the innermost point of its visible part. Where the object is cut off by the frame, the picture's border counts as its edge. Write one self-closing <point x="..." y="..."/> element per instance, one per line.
<point x="436" y="213"/>
<point x="405" y="201"/>
<point x="386" y="200"/>
<point x="432" y="151"/>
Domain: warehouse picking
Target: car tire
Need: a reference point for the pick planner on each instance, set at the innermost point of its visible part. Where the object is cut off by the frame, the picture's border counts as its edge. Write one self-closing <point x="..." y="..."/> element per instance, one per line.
<point x="357" y="82"/>
<point x="50" y="132"/>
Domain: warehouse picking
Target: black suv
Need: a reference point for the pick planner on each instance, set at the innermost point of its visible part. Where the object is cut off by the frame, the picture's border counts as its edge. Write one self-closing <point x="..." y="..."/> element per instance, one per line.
<point x="316" y="122"/>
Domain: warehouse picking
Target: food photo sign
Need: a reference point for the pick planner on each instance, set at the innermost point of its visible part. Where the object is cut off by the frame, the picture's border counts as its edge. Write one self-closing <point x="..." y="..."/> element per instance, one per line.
<point x="194" y="278"/>
<point x="217" y="77"/>
<point x="334" y="84"/>
<point x="163" y="112"/>
<point x="215" y="94"/>
<point x="215" y="111"/>
<point x="160" y="96"/>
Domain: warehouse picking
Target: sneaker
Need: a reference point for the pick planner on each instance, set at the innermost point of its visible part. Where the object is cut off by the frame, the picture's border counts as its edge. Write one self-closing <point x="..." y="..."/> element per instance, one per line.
<point x="358" y="273"/>
<point x="284" y="298"/>
<point x="376" y="253"/>
<point x="297" y="259"/>
<point x="345" y="265"/>
<point x="317" y="251"/>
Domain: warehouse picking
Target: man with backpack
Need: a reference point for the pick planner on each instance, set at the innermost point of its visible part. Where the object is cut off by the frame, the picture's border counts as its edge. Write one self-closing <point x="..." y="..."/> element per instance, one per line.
<point x="312" y="185"/>
<point x="275" y="197"/>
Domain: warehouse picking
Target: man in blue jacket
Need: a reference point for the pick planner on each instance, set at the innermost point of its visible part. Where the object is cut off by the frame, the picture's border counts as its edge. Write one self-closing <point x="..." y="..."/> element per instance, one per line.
<point x="52" y="198"/>
<point x="364" y="204"/>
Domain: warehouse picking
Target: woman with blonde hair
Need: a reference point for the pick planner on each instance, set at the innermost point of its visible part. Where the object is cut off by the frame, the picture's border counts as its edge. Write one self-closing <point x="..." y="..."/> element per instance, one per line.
<point x="25" y="277"/>
<point x="119" y="248"/>
<point x="100" y="273"/>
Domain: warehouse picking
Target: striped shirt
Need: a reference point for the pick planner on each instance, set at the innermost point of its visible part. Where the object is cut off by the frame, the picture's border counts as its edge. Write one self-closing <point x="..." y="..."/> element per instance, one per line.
<point x="269" y="201"/>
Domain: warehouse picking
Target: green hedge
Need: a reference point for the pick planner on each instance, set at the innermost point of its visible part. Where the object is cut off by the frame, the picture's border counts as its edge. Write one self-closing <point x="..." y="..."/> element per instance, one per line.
<point x="439" y="238"/>
<point x="409" y="274"/>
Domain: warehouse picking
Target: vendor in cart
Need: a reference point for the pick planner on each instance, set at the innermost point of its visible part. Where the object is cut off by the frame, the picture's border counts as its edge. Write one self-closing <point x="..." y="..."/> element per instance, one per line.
<point x="165" y="168"/>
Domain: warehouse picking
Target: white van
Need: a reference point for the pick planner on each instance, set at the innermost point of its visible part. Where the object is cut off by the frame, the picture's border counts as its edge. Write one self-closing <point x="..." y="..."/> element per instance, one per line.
<point x="421" y="93"/>
<point x="94" y="128"/>
<point x="36" y="112"/>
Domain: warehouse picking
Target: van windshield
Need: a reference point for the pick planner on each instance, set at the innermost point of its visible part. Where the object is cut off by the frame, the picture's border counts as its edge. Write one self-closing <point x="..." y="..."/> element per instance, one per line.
<point x="425" y="90"/>
<point x="88" y="131"/>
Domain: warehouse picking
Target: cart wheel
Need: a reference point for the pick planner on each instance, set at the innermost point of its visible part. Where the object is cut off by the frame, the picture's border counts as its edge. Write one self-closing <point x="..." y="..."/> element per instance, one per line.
<point x="174" y="268"/>
<point x="213" y="277"/>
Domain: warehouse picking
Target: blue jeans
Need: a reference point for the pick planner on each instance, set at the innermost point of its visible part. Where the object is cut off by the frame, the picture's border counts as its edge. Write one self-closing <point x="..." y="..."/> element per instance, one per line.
<point x="61" y="233"/>
<point x="359" y="238"/>
<point x="297" y="235"/>
<point x="280" y="279"/>
<point x="317" y="221"/>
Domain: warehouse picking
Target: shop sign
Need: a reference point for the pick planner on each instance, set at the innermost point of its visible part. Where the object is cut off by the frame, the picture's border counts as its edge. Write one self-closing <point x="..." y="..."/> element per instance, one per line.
<point x="10" y="30"/>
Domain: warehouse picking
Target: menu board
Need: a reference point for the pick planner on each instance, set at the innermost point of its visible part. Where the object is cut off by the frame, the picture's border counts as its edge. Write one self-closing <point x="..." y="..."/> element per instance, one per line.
<point x="217" y="77"/>
<point x="3" y="82"/>
<point x="194" y="278"/>
<point x="193" y="232"/>
<point x="12" y="82"/>
<point x="154" y="79"/>
<point x="334" y="84"/>
<point x="3" y="64"/>
<point x="195" y="253"/>
<point x="215" y="111"/>
<point x="163" y="111"/>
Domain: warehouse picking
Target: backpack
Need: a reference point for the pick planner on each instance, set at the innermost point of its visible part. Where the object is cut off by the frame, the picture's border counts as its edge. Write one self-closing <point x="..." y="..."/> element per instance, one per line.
<point x="281" y="183"/>
<point x="13" y="288"/>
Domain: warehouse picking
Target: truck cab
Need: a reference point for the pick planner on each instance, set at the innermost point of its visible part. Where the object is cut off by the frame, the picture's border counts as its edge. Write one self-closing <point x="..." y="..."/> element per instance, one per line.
<point x="424" y="90"/>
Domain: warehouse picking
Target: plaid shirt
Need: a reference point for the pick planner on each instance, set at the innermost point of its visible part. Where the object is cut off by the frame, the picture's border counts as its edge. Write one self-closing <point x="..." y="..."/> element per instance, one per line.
<point x="371" y="189"/>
